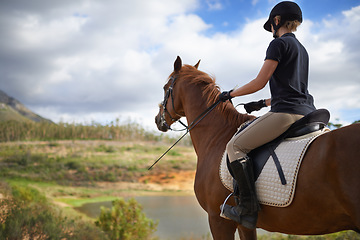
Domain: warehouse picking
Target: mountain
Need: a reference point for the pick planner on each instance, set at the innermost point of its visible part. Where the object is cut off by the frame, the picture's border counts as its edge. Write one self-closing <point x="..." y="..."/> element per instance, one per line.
<point x="12" y="109"/>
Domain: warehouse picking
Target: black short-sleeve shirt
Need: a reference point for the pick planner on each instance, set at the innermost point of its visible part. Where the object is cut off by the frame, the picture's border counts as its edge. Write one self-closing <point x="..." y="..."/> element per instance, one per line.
<point x="289" y="82"/>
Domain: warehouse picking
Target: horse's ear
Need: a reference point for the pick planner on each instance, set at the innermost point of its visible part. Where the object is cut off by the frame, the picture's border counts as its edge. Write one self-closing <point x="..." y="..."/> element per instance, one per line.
<point x="197" y="65"/>
<point x="177" y="64"/>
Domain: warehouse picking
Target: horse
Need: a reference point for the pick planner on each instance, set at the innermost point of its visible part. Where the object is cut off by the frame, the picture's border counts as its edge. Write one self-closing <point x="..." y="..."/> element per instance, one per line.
<point x="327" y="197"/>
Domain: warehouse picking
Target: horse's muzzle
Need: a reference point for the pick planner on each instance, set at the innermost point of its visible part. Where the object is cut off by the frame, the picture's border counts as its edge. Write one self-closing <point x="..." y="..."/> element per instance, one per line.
<point x="161" y="124"/>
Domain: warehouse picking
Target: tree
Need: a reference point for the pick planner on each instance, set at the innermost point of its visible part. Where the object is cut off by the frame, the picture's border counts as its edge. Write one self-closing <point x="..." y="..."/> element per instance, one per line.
<point x="338" y="125"/>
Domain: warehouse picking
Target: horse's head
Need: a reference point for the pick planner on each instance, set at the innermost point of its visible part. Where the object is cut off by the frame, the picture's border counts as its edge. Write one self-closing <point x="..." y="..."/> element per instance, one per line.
<point x="171" y="108"/>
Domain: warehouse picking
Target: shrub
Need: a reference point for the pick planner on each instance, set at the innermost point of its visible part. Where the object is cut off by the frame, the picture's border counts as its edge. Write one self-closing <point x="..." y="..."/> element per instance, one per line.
<point x="28" y="215"/>
<point x="125" y="221"/>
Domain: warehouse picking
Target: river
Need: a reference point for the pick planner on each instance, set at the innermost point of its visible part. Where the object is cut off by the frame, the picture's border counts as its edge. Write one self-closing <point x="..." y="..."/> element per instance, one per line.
<point x="178" y="216"/>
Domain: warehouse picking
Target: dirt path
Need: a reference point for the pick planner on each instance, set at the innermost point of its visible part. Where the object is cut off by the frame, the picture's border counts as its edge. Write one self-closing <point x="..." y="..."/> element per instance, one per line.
<point x="176" y="181"/>
<point x="182" y="181"/>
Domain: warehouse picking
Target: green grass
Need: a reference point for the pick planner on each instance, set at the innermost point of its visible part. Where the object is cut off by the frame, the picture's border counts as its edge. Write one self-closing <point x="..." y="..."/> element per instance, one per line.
<point x="70" y="171"/>
<point x="9" y="114"/>
<point x="87" y="162"/>
<point x="77" y="202"/>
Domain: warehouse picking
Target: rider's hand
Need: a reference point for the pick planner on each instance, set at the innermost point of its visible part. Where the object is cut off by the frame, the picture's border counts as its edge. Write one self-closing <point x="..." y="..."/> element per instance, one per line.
<point x="224" y="96"/>
<point x="254" y="106"/>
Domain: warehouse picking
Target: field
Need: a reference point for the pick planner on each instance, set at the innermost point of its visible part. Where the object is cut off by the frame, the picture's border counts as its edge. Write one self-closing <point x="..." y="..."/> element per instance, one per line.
<point x="91" y="165"/>
<point x="69" y="173"/>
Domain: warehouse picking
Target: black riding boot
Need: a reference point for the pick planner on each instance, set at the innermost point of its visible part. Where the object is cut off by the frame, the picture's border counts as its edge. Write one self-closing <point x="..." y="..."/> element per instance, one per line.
<point x="246" y="211"/>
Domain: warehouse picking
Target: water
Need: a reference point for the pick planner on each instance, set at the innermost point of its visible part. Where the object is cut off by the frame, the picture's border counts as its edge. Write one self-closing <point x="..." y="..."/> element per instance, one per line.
<point x="178" y="216"/>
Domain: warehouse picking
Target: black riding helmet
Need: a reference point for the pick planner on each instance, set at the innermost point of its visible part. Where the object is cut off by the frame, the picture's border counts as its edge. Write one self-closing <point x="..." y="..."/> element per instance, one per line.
<point x="288" y="11"/>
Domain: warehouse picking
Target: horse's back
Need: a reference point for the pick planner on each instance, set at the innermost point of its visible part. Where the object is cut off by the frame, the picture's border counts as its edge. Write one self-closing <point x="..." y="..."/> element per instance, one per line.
<point x="330" y="172"/>
<point x="327" y="196"/>
<point x="336" y="150"/>
<point x="347" y="177"/>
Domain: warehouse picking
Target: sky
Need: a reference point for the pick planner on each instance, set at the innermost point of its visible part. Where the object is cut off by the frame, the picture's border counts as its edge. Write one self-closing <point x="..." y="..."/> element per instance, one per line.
<point x="90" y="61"/>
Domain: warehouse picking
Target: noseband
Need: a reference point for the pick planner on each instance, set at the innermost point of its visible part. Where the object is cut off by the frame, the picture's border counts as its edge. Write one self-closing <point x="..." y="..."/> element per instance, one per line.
<point x="170" y="93"/>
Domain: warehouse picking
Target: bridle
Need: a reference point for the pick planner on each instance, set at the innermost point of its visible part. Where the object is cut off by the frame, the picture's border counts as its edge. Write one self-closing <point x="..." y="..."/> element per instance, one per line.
<point x="170" y="93"/>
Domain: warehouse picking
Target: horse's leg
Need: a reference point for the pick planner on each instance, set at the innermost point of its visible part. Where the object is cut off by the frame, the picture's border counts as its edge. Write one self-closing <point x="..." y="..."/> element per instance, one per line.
<point x="245" y="233"/>
<point x="222" y="229"/>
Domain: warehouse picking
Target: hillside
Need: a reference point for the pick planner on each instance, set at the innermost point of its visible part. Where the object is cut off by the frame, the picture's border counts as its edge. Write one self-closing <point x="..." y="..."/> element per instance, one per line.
<point x="12" y="109"/>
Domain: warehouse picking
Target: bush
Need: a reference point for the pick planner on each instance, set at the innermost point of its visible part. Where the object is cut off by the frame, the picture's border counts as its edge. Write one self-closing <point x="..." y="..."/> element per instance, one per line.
<point x="28" y="215"/>
<point x="125" y="221"/>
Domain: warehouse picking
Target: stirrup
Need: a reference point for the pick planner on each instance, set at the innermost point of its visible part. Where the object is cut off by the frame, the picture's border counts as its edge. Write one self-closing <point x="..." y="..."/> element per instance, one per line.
<point x="246" y="220"/>
<point x="223" y="206"/>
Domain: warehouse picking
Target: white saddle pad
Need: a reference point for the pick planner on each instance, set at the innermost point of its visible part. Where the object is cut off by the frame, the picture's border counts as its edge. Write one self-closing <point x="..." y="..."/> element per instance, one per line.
<point x="269" y="189"/>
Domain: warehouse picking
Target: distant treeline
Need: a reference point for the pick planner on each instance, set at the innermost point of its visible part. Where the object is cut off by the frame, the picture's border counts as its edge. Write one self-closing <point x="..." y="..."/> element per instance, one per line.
<point x="131" y="131"/>
<point x="25" y="131"/>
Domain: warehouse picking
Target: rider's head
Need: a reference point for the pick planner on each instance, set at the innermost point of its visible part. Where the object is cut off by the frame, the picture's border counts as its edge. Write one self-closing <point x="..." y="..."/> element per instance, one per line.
<point x="286" y="14"/>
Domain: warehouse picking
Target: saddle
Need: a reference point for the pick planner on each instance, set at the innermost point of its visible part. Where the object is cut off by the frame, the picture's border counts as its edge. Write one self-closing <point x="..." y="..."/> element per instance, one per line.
<point x="312" y="122"/>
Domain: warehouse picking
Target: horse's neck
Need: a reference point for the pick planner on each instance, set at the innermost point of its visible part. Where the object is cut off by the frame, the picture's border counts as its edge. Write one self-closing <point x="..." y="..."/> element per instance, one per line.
<point x="213" y="131"/>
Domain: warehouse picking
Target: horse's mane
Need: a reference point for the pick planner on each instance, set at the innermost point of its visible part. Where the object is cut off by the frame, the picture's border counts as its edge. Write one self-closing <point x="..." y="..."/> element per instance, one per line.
<point x="212" y="91"/>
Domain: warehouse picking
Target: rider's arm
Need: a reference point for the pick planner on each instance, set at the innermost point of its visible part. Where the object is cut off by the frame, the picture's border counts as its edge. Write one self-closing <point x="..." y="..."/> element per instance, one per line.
<point x="259" y="82"/>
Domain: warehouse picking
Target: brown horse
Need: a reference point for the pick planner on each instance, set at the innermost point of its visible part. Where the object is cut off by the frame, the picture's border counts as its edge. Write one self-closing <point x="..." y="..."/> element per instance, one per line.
<point x="327" y="197"/>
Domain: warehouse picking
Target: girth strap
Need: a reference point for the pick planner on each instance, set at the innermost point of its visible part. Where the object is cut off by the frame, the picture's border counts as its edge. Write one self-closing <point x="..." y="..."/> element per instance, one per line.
<point x="278" y="165"/>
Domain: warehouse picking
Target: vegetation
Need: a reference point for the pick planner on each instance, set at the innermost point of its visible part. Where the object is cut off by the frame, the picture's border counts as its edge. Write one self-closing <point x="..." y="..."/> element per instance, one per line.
<point x="54" y="160"/>
<point x="126" y="221"/>
<point x="7" y="113"/>
<point x="26" y="214"/>
<point x="45" y="131"/>
<point x="83" y="163"/>
<point x="337" y="125"/>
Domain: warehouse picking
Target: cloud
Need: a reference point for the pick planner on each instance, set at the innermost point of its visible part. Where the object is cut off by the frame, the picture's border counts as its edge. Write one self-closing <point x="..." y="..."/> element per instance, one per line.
<point x="95" y="61"/>
<point x="334" y="52"/>
<point x="214" y="5"/>
<point x="85" y="56"/>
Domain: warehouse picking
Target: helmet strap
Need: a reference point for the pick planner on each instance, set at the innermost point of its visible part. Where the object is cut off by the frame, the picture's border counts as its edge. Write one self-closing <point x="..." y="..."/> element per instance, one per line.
<point x="275" y="27"/>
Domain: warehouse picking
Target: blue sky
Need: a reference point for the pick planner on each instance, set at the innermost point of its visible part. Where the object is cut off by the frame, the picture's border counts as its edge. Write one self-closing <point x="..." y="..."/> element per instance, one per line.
<point x="95" y="61"/>
<point x="227" y="15"/>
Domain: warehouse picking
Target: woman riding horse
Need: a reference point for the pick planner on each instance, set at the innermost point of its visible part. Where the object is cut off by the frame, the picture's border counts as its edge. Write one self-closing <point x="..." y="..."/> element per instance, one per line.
<point x="286" y="65"/>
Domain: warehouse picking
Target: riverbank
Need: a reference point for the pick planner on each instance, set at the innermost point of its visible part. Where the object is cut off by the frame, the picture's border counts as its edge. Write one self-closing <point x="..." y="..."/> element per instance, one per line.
<point x="76" y="172"/>
<point x="178" y="183"/>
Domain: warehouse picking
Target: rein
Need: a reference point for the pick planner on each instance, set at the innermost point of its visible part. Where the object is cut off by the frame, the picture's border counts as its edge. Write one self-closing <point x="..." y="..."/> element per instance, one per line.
<point x="169" y="93"/>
